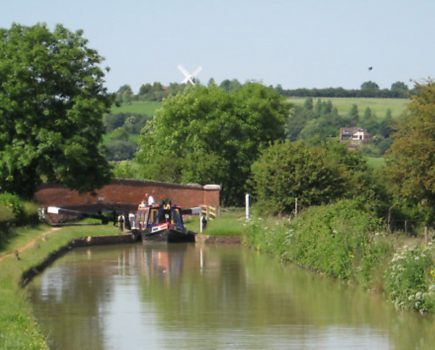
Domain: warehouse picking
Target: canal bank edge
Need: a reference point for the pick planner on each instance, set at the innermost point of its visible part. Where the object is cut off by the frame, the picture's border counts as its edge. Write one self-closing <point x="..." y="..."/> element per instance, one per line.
<point x="88" y="241"/>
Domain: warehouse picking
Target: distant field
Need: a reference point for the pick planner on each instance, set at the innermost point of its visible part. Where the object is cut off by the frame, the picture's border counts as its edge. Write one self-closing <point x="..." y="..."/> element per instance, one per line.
<point x="139" y="107"/>
<point x="377" y="105"/>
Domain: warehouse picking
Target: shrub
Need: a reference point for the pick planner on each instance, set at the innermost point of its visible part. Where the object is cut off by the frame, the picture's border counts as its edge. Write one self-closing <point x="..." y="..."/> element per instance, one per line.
<point x="332" y="238"/>
<point x="268" y="235"/>
<point x="13" y="202"/>
<point x="376" y="254"/>
<point x="410" y="278"/>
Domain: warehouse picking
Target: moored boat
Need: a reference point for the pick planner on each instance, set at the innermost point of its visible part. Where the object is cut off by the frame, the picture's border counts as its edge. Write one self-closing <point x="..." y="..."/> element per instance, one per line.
<point x="161" y="222"/>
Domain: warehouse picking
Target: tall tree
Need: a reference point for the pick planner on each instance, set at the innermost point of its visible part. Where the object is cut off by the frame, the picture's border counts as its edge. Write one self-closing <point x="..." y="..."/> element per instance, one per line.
<point x="411" y="158"/>
<point x="399" y="89"/>
<point x="52" y="100"/>
<point x="208" y="135"/>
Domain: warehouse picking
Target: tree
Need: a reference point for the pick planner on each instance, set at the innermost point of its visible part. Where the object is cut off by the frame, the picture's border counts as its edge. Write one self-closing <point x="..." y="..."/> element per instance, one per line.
<point x="411" y="158"/>
<point x="353" y="117"/>
<point x="52" y="100"/>
<point x="124" y="94"/>
<point x="287" y="170"/>
<point x="314" y="175"/>
<point x="369" y="86"/>
<point x="399" y="89"/>
<point x="208" y="135"/>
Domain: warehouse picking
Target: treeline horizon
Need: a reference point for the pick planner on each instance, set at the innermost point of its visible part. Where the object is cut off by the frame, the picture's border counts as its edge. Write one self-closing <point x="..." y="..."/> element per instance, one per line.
<point x="156" y="91"/>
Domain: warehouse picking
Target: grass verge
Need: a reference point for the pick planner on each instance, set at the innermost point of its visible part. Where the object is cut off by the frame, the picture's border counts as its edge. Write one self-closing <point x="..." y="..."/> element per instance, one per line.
<point x="231" y="222"/>
<point x="18" y="328"/>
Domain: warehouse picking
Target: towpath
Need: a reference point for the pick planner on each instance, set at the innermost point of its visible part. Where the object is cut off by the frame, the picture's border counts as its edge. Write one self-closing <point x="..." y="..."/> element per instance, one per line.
<point x="29" y="244"/>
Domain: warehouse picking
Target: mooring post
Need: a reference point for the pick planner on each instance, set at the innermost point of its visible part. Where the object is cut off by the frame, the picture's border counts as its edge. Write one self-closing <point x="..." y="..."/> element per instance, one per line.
<point x="247" y="206"/>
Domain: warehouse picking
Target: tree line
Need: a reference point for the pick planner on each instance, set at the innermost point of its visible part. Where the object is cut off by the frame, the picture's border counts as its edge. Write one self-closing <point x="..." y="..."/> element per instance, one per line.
<point x="368" y="89"/>
<point x="157" y="92"/>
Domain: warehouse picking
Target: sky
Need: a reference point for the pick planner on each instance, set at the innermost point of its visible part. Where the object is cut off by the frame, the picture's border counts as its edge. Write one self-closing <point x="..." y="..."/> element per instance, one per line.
<point x="294" y="43"/>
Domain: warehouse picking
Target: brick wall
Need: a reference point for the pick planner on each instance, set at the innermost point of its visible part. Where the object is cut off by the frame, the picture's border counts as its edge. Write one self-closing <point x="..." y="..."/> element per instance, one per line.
<point x="129" y="193"/>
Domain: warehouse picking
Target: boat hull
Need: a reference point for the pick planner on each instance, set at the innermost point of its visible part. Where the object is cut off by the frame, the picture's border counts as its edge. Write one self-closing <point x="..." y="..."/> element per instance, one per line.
<point x="169" y="236"/>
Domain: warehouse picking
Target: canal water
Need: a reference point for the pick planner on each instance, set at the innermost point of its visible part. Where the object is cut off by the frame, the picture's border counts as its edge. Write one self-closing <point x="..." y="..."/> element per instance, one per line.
<point x="158" y="296"/>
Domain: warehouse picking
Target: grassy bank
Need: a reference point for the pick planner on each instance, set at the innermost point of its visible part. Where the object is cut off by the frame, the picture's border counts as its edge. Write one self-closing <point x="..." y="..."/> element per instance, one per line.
<point x="346" y="242"/>
<point x="18" y="329"/>
<point x="231" y="222"/>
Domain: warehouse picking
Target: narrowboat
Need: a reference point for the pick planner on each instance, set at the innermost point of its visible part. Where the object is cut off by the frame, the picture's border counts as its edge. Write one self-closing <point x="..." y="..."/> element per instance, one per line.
<point x="161" y="222"/>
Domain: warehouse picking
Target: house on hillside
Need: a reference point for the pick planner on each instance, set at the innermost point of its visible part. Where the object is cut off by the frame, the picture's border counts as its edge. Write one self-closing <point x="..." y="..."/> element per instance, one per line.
<point x="355" y="136"/>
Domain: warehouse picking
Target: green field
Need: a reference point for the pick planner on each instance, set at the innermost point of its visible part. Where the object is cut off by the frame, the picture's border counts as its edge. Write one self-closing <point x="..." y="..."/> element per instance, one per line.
<point x="139" y="107"/>
<point x="377" y="105"/>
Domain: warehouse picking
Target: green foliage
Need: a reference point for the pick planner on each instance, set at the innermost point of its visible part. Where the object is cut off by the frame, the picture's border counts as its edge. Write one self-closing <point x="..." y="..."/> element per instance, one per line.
<point x="375" y="256"/>
<point x="410" y="279"/>
<point x="51" y="103"/>
<point x="338" y="239"/>
<point x="316" y="123"/>
<point x="137" y="108"/>
<point x="127" y="169"/>
<point x="331" y="238"/>
<point x="286" y="171"/>
<point x="119" y="150"/>
<point x="312" y="174"/>
<point x="270" y="235"/>
<point x="6" y="214"/>
<point x="13" y="202"/>
<point x="411" y="158"/>
<point x="368" y="89"/>
<point x="208" y="135"/>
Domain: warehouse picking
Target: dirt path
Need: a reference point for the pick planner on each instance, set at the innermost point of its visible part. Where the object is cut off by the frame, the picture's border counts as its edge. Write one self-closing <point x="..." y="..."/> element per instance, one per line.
<point x="30" y="243"/>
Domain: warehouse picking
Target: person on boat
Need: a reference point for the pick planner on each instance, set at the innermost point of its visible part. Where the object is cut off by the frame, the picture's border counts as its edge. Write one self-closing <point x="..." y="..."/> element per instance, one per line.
<point x="167" y="210"/>
<point x="150" y="200"/>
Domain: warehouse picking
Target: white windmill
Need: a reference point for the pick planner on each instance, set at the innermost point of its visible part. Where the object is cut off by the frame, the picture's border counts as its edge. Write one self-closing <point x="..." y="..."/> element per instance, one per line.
<point x="189" y="77"/>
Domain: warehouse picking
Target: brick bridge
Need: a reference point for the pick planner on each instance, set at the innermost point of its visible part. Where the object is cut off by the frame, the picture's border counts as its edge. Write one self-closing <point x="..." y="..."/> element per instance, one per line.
<point x="127" y="194"/>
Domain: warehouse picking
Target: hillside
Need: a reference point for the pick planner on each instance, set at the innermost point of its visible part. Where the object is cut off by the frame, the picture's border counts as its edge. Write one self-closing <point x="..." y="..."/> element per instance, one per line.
<point x="377" y="105"/>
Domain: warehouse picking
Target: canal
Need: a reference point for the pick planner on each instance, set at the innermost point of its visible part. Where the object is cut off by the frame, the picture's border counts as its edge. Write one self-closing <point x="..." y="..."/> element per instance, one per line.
<point x="159" y="296"/>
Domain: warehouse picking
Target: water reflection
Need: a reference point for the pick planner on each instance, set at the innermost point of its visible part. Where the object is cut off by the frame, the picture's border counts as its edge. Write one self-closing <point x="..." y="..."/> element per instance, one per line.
<point x="186" y="296"/>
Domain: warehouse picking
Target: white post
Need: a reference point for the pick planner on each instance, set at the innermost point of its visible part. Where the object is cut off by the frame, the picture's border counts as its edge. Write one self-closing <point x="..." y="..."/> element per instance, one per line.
<point x="296" y="206"/>
<point x="200" y="223"/>
<point x="247" y="206"/>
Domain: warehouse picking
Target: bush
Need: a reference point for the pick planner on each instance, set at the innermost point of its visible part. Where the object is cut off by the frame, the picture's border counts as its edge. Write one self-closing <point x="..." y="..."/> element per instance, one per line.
<point x="332" y="238"/>
<point x="409" y="279"/>
<point x="13" y="202"/>
<point x="268" y="235"/>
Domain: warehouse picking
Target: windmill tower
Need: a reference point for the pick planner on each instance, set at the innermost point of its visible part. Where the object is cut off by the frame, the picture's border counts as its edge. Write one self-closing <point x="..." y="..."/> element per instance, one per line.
<point x="189" y="77"/>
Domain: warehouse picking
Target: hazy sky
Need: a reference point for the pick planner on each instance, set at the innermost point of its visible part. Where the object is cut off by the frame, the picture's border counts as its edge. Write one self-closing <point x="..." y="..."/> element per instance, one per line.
<point x="295" y="43"/>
